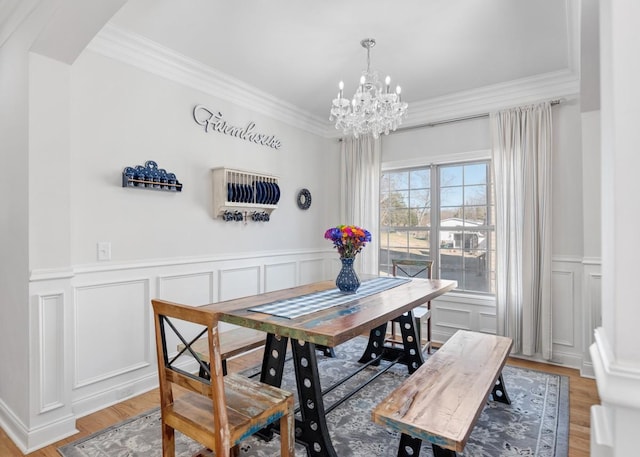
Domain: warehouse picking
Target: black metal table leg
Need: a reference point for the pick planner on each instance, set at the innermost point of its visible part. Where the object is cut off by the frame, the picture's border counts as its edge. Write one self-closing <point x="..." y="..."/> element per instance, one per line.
<point x="312" y="430"/>
<point x="499" y="392"/>
<point x="275" y="353"/>
<point x="409" y="446"/>
<point x="326" y="351"/>
<point x="411" y="344"/>
<point x="375" y="346"/>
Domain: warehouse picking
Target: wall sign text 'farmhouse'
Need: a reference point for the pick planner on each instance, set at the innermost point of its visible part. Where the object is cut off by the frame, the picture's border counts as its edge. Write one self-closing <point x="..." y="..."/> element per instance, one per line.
<point x="213" y="121"/>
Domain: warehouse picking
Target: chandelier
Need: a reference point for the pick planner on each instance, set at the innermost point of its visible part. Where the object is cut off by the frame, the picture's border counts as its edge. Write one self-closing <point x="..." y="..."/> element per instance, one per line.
<point x="373" y="109"/>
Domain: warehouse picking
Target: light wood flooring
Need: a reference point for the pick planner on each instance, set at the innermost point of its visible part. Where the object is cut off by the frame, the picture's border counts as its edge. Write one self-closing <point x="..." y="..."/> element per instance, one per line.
<point x="582" y="394"/>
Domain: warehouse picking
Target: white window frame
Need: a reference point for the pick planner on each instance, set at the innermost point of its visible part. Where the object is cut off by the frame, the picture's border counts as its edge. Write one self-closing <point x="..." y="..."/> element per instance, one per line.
<point x="434" y="162"/>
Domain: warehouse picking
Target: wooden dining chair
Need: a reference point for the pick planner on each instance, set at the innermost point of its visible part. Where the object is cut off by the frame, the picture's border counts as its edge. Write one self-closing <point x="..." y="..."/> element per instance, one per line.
<point x="413" y="269"/>
<point x="215" y="410"/>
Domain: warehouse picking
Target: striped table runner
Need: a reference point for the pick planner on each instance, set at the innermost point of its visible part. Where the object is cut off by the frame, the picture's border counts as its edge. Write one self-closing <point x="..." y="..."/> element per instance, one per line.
<point x="291" y="308"/>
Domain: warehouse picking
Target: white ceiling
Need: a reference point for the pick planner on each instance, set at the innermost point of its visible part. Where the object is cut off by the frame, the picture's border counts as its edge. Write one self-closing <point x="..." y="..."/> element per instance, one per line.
<point x="297" y="51"/>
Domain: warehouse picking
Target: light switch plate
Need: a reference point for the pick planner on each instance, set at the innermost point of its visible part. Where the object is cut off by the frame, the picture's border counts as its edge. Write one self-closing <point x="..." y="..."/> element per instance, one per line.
<point x="104" y="250"/>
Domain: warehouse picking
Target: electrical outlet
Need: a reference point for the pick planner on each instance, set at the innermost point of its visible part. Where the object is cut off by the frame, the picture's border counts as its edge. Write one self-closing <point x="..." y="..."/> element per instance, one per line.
<point x="104" y="250"/>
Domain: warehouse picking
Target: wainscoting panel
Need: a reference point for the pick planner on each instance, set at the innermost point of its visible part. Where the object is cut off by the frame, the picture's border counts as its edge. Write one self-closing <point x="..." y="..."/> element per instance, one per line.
<point x="458" y="311"/>
<point x="279" y="276"/>
<point x="190" y="289"/>
<point x="487" y="322"/>
<point x="238" y="282"/>
<point x="311" y="270"/>
<point x="592" y="311"/>
<point x="458" y="319"/>
<point x="562" y="283"/>
<point x="566" y="284"/>
<point x="112" y="330"/>
<point x="51" y="350"/>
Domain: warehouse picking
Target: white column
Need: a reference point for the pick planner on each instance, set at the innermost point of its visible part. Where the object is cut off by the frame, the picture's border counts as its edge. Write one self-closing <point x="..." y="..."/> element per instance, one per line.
<point x="615" y="353"/>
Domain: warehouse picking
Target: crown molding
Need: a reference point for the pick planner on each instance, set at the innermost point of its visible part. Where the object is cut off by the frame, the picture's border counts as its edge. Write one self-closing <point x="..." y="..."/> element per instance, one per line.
<point x="548" y="86"/>
<point x="132" y="49"/>
<point x="124" y="46"/>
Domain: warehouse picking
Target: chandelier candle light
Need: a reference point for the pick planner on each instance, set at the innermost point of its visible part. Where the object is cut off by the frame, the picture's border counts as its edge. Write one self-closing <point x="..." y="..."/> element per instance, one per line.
<point x="373" y="109"/>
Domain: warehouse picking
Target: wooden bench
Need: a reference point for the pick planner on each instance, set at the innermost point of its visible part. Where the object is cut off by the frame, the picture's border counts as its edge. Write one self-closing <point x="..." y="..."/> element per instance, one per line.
<point x="442" y="400"/>
<point x="232" y="342"/>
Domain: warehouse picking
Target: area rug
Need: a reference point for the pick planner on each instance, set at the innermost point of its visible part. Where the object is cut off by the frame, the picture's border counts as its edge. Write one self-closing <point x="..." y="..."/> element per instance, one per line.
<point x="535" y="424"/>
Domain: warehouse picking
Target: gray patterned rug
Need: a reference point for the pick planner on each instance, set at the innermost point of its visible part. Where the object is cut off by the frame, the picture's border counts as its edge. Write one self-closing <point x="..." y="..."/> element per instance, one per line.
<point x="535" y="424"/>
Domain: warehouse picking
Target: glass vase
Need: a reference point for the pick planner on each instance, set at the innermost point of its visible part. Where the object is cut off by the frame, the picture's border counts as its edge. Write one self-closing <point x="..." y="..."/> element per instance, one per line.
<point x="347" y="280"/>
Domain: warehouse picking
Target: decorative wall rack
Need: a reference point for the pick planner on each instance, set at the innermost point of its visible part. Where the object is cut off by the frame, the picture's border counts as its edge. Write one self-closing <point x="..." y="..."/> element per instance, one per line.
<point x="244" y="195"/>
<point x="151" y="177"/>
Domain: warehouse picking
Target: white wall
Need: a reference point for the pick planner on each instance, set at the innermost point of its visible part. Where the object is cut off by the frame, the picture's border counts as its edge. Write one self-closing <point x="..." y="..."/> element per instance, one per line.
<point x="90" y="320"/>
<point x="121" y="116"/>
<point x="471" y="140"/>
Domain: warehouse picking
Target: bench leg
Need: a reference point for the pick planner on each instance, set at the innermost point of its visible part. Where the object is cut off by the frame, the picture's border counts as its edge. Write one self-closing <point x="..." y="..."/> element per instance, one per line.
<point x="441" y="452"/>
<point x="409" y="446"/>
<point x="499" y="392"/>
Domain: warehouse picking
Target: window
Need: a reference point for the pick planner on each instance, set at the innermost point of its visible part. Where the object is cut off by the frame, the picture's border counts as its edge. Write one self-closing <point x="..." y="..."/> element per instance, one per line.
<point x="442" y="213"/>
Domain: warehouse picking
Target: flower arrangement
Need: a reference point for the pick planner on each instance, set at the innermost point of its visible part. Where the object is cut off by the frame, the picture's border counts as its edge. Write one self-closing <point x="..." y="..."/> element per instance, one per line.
<point x="348" y="239"/>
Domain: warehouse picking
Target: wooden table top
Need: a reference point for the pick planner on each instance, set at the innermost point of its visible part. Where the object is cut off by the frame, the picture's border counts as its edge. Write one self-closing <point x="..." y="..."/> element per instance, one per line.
<point x="335" y="325"/>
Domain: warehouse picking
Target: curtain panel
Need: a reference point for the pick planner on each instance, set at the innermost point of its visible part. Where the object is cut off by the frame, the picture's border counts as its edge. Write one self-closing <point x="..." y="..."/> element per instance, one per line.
<point x="360" y="184"/>
<point x="521" y="158"/>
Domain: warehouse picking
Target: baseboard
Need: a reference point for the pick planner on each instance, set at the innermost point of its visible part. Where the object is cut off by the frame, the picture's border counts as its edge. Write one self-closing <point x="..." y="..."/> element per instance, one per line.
<point x="13" y="427"/>
<point x="29" y="440"/>
<point x="587" y="370"/>
<point x="601" y="439"/>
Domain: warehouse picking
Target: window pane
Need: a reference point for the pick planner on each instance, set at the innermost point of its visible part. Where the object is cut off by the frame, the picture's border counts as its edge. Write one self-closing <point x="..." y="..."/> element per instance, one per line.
<point x="420" y="179"/>
<point x="451" y="196"/>
<point x="475" y="173"/>
<point x="398" y="217"/>
<point x="423" y="216"/>
<point x="420" y="198"/>
<point x="451" y="217"/>
<point x="418" y="244"/>
<point x="475" y="195"/>
<point x="475" y="215"/>
<point x="399" y="180"/>
<point x="451" y="176"/>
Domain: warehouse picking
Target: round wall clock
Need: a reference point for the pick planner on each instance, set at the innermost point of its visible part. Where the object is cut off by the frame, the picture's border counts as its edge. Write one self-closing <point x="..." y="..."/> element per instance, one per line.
<point x="304" y="199"/>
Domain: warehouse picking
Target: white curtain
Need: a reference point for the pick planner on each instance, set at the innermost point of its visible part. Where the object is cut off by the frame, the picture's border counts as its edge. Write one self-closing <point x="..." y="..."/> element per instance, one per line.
<point x="521" y="149"/>
<point x="360" y="184"/>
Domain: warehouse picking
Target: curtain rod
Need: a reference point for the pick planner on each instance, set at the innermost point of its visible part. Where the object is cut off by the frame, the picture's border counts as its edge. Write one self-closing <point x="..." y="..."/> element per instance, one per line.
<point x="457" y="119"/>
<point x="451" y="121"/>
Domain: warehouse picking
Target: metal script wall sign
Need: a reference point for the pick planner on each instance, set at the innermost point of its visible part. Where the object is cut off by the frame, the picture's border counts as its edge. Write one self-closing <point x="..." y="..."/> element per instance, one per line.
<point x="213" y="121"/>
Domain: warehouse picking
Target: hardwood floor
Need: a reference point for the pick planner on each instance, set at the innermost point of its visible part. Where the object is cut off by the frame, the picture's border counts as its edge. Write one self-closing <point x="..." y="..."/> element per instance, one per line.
<point x="582" y="394"/>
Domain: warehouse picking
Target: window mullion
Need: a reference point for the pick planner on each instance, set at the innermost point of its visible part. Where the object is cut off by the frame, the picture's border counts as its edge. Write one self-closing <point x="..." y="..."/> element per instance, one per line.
<point x="434" y="230"/>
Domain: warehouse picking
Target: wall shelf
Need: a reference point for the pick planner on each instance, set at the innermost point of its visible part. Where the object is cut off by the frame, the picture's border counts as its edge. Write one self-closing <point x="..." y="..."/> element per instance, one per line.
<point x="150" y="177"/>
<point x="242" y="195"/>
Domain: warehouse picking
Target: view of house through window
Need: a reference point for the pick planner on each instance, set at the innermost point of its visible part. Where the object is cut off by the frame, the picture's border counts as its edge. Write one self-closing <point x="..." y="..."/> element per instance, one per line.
<point x="443" y="213"/>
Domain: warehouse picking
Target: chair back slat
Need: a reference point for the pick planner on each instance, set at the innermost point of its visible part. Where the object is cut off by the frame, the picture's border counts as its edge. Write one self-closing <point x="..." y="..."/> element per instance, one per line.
<point x="404" y="265"/>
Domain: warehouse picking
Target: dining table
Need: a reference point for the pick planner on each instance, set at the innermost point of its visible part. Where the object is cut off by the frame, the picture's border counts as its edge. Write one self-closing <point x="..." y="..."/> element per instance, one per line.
<point x="318" y="316"/>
